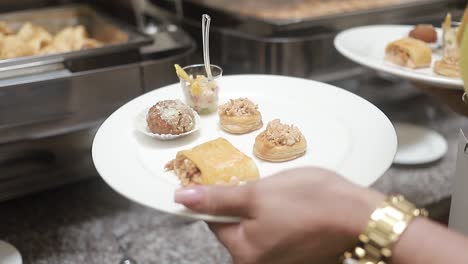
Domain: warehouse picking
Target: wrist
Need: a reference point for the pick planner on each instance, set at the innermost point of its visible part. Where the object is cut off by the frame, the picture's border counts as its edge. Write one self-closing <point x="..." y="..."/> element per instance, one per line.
<point x="362" y="202"/>
<point x="386" y="225"/>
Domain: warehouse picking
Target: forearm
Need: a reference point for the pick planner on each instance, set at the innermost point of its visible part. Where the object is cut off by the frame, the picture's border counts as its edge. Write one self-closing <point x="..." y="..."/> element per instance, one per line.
<point x="425" y="242"/>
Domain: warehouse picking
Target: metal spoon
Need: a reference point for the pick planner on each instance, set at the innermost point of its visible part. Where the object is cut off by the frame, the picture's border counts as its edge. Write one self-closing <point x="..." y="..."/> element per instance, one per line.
<point x="206" y="20"/>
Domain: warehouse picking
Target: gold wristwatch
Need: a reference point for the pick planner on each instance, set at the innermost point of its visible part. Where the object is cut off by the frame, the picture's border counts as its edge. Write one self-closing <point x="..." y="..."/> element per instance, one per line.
<point x="385" y="226"/>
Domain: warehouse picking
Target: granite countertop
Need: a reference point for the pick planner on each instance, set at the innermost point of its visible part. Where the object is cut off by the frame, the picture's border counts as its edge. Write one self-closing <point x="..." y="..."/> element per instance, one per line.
<point x="82" y="223"/>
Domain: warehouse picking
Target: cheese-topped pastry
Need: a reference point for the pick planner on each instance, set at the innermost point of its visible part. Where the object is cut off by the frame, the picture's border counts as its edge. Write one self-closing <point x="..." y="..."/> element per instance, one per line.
<point x="280" y="142"/>
<point x="409" y="52"/>
<point x="214" y="162"/>
<point x="239" y="116"/>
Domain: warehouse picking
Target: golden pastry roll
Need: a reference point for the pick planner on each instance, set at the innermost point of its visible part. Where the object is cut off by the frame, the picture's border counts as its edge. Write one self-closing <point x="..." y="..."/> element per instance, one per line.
<point x="409" y="52"/>
<point x="214" y="162"/>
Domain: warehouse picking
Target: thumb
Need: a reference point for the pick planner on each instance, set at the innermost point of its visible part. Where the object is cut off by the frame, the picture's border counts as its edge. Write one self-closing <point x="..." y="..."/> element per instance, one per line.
<point x="216" y="200"/>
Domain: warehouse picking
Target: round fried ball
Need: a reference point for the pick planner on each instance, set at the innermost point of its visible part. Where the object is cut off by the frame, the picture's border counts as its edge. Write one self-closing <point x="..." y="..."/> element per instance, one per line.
<point x="426" y="33"/>
<point x="170" y="117"/>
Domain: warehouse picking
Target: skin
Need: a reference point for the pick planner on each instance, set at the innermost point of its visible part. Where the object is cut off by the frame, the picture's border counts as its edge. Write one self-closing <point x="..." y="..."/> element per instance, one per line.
<point x="310" y="215"/>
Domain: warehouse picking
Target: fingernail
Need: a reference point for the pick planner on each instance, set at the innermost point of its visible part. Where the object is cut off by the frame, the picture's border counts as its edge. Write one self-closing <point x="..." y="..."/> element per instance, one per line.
<point x="189" y="196"/>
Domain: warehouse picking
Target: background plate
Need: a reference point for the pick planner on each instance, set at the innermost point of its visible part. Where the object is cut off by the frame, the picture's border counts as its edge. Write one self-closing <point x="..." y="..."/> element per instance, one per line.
<point x="345" y="133"/>
<point x="366" y="46"/>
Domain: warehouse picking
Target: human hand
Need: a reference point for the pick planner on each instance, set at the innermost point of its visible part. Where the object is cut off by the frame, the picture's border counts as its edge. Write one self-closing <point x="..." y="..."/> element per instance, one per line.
<point x="305" y="215"/>
<point x="450" y="97"/>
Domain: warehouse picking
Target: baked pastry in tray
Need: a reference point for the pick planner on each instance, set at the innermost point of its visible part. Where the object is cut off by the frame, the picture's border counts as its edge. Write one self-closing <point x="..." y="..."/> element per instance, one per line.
<point x="280" y="142"/>
<point x="239" y="116"/>
<point x="213" y="162"/>
<point x="409" y="52"/>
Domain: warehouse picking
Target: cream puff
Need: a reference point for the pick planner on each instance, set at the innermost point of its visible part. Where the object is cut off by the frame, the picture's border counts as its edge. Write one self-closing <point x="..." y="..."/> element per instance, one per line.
<point x="280" y="142"/>
<point x="239" y="116"/>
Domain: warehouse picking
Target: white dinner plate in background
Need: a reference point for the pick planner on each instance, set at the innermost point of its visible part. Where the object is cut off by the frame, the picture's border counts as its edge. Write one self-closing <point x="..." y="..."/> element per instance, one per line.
<point x="366" y="46"/>
<point x="418" y="145"/>
<point x="9" y="254"/>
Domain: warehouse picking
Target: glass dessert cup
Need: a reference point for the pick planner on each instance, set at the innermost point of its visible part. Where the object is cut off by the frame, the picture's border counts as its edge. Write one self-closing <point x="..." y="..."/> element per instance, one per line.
<point x="201" y="93"/>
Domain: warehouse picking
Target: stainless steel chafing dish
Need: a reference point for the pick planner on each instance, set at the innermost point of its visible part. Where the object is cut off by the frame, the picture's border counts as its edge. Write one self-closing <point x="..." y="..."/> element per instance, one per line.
<point x="116" y="36"/>
<point x="51" y="105"/>
<point x="248" y="41"/>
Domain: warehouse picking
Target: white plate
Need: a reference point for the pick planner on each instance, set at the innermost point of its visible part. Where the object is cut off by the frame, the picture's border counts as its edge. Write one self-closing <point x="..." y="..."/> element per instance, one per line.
<point x="9" y="254"/>
<point x="141" y="125"/>
<point x="366" y="46"/>
<point x="345" y="133"/>
<point x="418" y="145"/>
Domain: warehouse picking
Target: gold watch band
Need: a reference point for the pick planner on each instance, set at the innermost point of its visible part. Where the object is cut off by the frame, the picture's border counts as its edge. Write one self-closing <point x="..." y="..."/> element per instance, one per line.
<point x="385" y="226"/>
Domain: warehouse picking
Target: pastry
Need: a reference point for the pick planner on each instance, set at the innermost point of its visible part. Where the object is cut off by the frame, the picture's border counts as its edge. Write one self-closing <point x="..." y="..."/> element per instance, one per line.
<point x="36" y="36"/>
<point x="4" y="29"/>
<point x="426" y="33"/>
<point x="409" y="52"/>
<point x="12" y="47"/>
<point x="280" y="142"/>
<point x="170" y="117"/>
<point x="213" y="162"/>
<point x="239" y="116"/>
<point x="447" y="67"/>
<point x="33" y="39"/>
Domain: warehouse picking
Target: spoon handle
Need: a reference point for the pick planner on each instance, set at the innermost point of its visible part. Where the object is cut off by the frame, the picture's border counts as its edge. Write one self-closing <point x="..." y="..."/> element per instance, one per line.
<point x="206" y="20"/>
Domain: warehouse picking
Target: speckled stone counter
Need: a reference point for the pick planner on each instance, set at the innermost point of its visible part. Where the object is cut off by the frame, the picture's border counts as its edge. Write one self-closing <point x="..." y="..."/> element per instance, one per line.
<point x="86" y="222"/>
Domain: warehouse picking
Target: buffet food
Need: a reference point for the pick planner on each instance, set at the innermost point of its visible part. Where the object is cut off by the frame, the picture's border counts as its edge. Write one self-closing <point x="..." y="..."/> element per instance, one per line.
<point x="449" y="64"/>
<point x="239" y="116"/>
<point x="213" y="162"/>
<point x="200" y="92"/>
<point x="448" y="67"/>
<point x="280" y="142"/>
<point x="35" y="40"/>
<point x="170" y="117"/>
<point x="409" y="52"/>
<point x="423" y="32"/>
<point x="414" y="51"/>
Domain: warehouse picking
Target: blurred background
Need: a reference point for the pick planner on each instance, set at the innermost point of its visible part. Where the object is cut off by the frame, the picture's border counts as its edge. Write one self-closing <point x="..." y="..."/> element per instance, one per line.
<point x="51" y="107"/>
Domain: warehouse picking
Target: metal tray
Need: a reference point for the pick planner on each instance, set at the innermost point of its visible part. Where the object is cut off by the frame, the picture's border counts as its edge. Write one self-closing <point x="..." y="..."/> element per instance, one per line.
<point x="231" y="16"/>
<point x="117" y="37"/>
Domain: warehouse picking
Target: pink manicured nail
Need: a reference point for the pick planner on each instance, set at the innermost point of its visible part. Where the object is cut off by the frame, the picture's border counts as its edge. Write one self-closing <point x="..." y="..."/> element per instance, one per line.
<point x="189" y="196"/>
